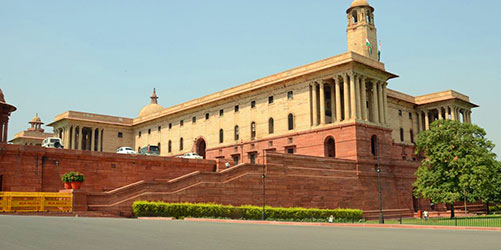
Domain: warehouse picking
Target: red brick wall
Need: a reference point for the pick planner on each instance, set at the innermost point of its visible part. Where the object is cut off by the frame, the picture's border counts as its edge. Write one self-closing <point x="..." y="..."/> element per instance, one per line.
<point x="31" y="168"/>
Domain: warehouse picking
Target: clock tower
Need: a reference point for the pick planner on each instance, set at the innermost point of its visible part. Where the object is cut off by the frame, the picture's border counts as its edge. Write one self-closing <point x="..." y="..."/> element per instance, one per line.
<point x="361" y="31"/>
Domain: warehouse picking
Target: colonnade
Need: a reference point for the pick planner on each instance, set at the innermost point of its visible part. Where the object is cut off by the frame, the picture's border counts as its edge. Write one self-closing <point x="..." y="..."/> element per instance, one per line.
<point x="4" y="127"/>
<point x="81" y="138"/>
<point x="426" y="117"/>
<point x="352" y="97"/>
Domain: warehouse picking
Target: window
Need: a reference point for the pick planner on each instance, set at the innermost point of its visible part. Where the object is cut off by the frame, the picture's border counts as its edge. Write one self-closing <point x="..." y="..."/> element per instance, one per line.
<point x="159" y="128"/>
<point x="252" y="158"/>
<point x="330" y="147"/>
<point x="149" y="131"/>
<point x="181" y="143"/>
<point x="181" y="123"/>
<point x="399" y="112"/>
<point x="410" y="115"/>
<point x="170" y="146"/>
<point x="290" y="121"/>
<point x="221" y="112"/>
<point x="271" y="126"/>
<point x="221" y="136"/>
<point x="170" y="125"/>
<point x="253" y="130"/>
<point x="401" y="134"/>
<point x="290" y="150"/>
<point x="236" y="159"/>
<point x="374" y="146"/>
<point x="290" y="95"/>
<point x="206" y="116"/>
<point x="412" y="136"/>
<point x="139" y="134"/>
<point x="253" y="104"/>
<point x="355" y="17"/>
<point x="270" y="99"/>
<point x="158" y="146"/>
<point x="237" y="108"/>
<point x="194" y="119"/>
<point x="120" y="135"/>
<point x="237" y="133"/>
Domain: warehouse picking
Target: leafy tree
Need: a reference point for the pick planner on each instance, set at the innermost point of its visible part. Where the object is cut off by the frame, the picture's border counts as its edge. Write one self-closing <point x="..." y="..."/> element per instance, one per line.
<point x="458" y="164"/>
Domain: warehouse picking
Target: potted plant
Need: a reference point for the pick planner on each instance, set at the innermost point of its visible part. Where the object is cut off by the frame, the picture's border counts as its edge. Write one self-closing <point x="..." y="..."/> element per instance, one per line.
<point x="66" y="181"/>
<point x="76" y="179"/>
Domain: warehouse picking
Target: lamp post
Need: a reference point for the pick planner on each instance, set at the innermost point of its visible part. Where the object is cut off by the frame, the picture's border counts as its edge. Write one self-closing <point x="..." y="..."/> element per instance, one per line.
<point x="381" y="216"/>
<point x="263" y="215"/>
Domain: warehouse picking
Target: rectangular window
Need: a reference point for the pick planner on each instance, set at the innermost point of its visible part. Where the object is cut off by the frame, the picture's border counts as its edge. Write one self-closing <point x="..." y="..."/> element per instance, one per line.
<point x="170" y="125"/>
<point x="270" y="100"/>
<point x="207" y="116"/>
<point x="181" y="123"/>
<point x="400" y="112"/>
<point x="139" y="134"/>
<point x="253" y="104"/>
<point x="290" y="95"/>
<point x="410" y="115"/>
<point x="236" y="159"/>
<point x="290" y="150"/>
<point x="149" y="131"/>
<point x="221" y="112"/>
<point x="159" y="128"/>
<point x="252" y="158"/>
<point x="194" y="119"/>
<point x="237" y="108"/>
<point x="120" y="135"/>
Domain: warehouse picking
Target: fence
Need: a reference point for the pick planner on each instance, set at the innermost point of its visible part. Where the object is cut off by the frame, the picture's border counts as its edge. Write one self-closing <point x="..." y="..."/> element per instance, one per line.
<point x="478" y="221"/>
<point x="35" y="202"/>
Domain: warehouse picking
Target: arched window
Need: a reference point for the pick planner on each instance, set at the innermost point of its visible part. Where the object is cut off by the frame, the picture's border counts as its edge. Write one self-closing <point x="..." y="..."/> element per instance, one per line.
<point x="355" y="17"/>
<point x="402" y="135"/>
<point x="237" y="133"/>
<point x="169" y="146"/>
<point x="253" y="130"/>
<point x="374" y="146"/>
<point x="368" y="16"/>
<point x="412" y="136"/>
<point x="181" y="144"/>
<point x="271" y="126"/>
<point x="221" y="136"/>
<point x="290" y="121"/>
<point x="330" y="147"/>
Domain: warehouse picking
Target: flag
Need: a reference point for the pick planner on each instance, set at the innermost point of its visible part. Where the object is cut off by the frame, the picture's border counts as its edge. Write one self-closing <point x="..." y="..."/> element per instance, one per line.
<point x="369" y="46"/>
<point x="379" y="51"/>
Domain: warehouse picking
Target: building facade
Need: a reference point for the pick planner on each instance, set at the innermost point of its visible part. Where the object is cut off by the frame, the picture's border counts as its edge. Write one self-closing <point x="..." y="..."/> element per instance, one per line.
<point x="5" y="111"/>
<point x="338" y="107"/>
<point x="33" y="136"/>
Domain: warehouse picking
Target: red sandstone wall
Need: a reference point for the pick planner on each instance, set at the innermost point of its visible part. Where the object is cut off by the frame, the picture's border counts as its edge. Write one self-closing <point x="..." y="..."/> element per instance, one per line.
<point x="31" y="168"/>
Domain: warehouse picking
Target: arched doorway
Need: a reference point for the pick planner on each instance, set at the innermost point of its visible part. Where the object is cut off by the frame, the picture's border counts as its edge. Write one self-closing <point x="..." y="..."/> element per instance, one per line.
<point x="200" y="147"/>
<point x="330" y="147"/>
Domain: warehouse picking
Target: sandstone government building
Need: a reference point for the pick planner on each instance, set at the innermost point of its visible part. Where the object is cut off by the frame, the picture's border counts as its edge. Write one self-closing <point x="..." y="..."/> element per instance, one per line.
<point x="335" y="117"/>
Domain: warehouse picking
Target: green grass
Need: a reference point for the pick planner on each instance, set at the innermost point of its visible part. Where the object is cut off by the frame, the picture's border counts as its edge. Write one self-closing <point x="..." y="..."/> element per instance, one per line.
<point x="478" y="221"/>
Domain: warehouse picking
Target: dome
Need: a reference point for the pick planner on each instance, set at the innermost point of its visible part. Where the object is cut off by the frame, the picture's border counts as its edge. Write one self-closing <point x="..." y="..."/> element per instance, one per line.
<point x="151" y="108"/>
<point x="359" y="3"/>
<point x="36" y="119"/>
<point x="2" y="98"/>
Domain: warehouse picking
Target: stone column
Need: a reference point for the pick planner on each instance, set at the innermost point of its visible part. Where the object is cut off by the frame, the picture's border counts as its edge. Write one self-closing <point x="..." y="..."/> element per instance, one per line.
<point x="469" y="116"/>
<point x="315" y="110"/>
<point x="322" y="101"/>
<point x="440" y="115"/>
<point x="79" y="146"/>
<point x="380" y="101"/>
<point x="346" y="91"/>
<point x="453" y="113"/>
<point x="338" y="99"/>
<point x="353" y="96"/>
<point x="333" y="102"/>
<point x="1" y="130"/>
<point x="98" y="139"/>
<point x="375" y="107"/>
<point x="385" y="103"/>
<point x="418" y="119"/>
<point x="92" y="140"/>
<point x="365" y="113"/>
<point x="5" y="131"/>
<point x="426" y="120"/>
<point x="358" y="97"/>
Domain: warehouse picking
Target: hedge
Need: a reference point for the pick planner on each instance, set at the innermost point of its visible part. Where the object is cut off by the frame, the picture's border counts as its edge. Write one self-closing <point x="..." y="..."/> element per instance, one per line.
<point x="495" y="209"/>
<point x="247" y="212"/>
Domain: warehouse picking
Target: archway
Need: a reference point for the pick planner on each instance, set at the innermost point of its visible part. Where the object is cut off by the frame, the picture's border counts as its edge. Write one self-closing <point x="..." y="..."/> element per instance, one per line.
<point x="330" y="147"/>
<point x="200" y="147"/>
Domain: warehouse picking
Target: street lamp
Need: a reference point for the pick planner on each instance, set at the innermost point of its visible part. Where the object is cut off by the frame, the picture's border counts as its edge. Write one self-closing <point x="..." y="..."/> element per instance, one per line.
<point x="263" y="177"/>
<point x="381" y="216"/>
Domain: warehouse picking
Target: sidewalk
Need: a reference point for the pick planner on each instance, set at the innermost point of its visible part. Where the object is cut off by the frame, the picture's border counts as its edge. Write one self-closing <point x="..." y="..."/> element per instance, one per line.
<point x="331" y="224"/>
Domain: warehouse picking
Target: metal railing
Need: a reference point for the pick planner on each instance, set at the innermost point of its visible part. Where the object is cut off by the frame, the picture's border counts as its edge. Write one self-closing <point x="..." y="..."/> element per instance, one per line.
<point x="477" y="221"/>
<point x="35" y="202"/>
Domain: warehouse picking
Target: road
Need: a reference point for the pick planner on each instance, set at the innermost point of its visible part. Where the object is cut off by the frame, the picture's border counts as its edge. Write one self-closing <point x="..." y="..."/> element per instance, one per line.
<point x="43" y="232"/>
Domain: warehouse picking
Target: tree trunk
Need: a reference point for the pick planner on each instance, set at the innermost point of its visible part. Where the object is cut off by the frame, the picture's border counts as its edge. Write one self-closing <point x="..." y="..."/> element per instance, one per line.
<point x="452" y="211"/>
<point x="487" y="208"/>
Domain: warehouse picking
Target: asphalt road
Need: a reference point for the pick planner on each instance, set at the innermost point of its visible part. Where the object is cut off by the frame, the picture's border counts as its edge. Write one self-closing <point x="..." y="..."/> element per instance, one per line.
<point x="33" y="232"/>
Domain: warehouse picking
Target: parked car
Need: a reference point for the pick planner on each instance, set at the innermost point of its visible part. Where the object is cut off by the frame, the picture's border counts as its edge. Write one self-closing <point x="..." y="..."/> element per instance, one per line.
<point x="126" y="150"/>
<point x="191" y="156"/>
<point x="52" y="142"/>
<point x="150" y="150"/>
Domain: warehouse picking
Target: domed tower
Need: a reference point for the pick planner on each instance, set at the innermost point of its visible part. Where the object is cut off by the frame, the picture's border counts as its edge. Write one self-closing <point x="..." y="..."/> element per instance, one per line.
<point x="361" y="32"/>
<point x="36" y="124"/>
<point x="151" y="108"/>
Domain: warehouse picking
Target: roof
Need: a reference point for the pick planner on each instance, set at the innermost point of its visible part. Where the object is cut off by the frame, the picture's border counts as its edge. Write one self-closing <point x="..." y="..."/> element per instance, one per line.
<point x="359" y="3"/>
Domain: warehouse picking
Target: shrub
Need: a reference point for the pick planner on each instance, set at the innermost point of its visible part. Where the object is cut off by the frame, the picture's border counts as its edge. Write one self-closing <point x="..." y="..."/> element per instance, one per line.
<point x="66" y="178"/>
<point x="247" y="212"/>
<point x="76" y="176"/>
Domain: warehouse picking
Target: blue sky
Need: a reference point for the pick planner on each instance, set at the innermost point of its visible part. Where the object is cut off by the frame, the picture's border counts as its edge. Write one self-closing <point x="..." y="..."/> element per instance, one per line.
<point x="107" y="56"/>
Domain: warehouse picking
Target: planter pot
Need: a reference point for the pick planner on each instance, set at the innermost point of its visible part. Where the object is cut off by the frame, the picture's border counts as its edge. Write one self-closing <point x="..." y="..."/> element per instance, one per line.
<point x="76" y="185"/>
<point x="67" y="185"/>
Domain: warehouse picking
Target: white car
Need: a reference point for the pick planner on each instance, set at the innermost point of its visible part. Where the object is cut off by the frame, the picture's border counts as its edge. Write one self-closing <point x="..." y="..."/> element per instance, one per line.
<point x="126" y="150"/>
<point x="52" y="142"/>
<point x="191" y="156"/>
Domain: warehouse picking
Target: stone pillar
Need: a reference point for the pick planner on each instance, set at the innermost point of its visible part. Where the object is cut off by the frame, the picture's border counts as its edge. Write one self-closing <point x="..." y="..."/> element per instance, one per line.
<point x="5" y="131"/>
<point x="426" y="120"/>
<point x="79" y="145"/>
<point x="98" y="139"/>
<point x="453" y="113"/>
<point x="385" y="103"/>
<point x="358" y="96"/>
<point x="333" y="102"/>
<point x="315" y="110"/>
<point x="380" y="101"/>
<point x="365" y="114"/>
<point x="468" y="112"/>
<point x="322" y="102"/>
<point x="353" y="96"/>
<point x="440" y="115"/>
<point x="92" y="140"/>
<point x="375" y="108"/>
<point x="418" y="119"/>
<point x="346" y="91"/>
<point x="1" y="131"/>
<point x="338" y="99"/>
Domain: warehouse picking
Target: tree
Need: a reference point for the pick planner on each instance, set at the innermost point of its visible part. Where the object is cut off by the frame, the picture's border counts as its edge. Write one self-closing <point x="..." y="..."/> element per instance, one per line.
<point x="458" y="164"/>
